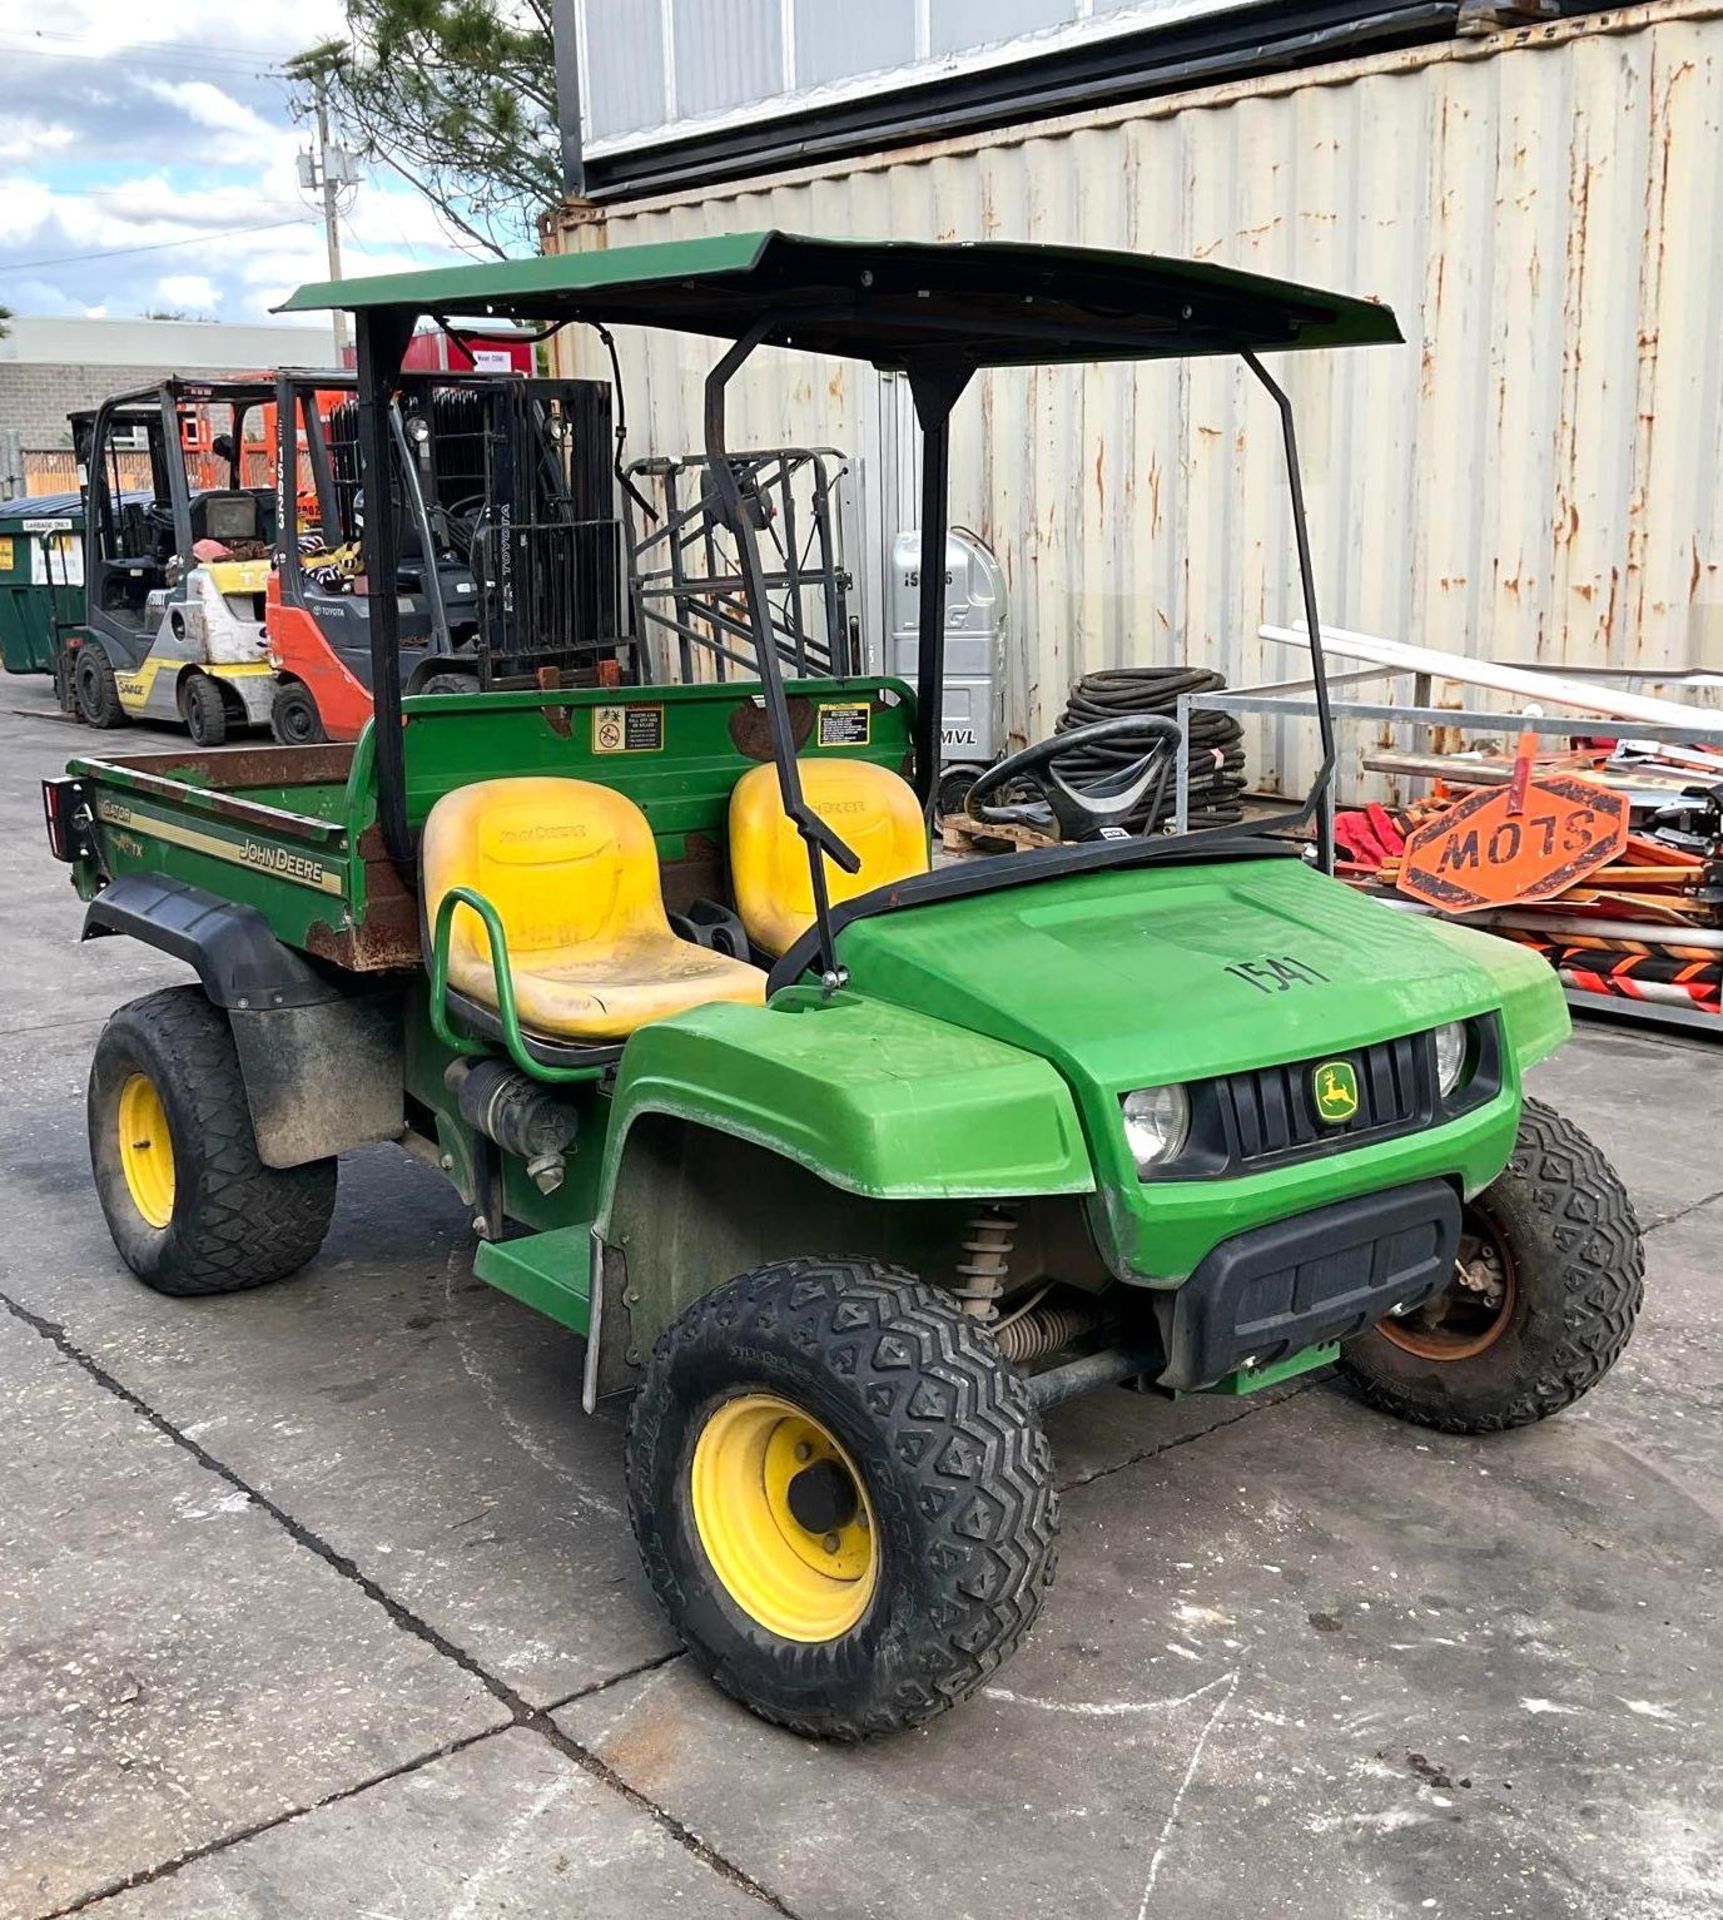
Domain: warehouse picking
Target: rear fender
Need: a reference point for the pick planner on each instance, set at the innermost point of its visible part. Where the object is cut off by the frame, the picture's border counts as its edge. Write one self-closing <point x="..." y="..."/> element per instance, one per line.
<point x="321" y="1054"/>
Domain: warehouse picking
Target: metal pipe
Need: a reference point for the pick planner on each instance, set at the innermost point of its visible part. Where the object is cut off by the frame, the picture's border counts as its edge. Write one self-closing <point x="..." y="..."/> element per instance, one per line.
<point x="1648" y="933"/>
<point x="930" y="620"/>
<point x="1320" y="800"/>
<point x="1104" y="1369"/>
<point x="422" y="525"/>
<point x="816" y="835"/>
<point x="382" y="336"/>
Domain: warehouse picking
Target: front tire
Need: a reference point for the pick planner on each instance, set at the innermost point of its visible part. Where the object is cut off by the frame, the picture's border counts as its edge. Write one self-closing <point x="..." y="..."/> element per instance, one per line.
<point x="1550" y="1281"/>
<point x="842" y="1495"/>
<point x="192" y="1208"/>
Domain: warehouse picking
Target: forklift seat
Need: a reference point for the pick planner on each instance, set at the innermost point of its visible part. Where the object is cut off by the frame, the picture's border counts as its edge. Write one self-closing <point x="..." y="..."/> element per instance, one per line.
<point x="872" y="810"/>
<point x="572" y="871"/>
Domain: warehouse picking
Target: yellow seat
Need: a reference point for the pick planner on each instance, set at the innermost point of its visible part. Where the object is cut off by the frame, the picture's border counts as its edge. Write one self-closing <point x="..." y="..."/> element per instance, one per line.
<point x="572" y="871"/>
<point x="872" y="810"/>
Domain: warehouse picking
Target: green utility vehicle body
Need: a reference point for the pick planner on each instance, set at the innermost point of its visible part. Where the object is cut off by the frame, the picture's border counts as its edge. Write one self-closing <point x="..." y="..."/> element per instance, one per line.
<point x="979" y="1051"/>
<point x="847" y="1166"/>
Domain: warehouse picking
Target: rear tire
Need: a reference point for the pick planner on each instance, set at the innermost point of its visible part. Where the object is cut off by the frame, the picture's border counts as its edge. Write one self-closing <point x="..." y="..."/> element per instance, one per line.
<point x="203" y="710"/>
<point x="192" y="1208"/>
<point x="937" y="1490"/>
<point x="95" y="689"/>
<point x="1560" y="1229"/>
<point x="293" y="717"/>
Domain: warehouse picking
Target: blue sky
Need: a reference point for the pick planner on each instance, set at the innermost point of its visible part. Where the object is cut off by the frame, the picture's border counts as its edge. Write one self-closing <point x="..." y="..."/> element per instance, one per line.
<point x="124" y="128"/>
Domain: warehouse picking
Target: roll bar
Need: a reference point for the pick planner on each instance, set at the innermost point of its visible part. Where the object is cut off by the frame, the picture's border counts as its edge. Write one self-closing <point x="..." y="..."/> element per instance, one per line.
<point x="935" y="313"/>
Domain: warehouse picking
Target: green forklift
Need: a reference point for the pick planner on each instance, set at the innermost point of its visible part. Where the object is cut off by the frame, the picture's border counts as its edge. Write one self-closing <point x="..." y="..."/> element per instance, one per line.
<point x="847" y="1168"/>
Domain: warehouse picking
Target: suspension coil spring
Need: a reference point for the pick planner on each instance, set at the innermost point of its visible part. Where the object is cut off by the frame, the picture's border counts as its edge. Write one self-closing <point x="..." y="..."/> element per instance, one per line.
<point x="986" y="1266"/>
<point x="1041" y="1331"/>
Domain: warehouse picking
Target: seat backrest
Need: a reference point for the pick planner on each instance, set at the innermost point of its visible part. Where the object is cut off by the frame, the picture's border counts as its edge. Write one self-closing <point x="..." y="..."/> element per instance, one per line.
<point x="873" y="810"/>
<point x="226" y="514"/>
<point x="564" y="862"/>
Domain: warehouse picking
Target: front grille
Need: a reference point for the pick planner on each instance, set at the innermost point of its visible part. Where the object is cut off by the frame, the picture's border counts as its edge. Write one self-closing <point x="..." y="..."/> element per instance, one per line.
<point x="1269" y="1113"/>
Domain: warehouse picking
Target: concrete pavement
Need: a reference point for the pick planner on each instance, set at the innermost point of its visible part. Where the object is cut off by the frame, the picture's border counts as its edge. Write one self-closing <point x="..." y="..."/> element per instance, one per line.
<point x="320" y="1601"/>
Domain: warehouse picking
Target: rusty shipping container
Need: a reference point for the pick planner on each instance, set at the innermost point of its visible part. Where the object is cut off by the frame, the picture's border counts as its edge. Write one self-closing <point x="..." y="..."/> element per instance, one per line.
<point x="1536" y="476"/>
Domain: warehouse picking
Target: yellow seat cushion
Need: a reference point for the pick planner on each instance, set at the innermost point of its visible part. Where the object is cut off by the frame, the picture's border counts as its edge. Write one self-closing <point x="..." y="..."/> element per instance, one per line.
<point x="572" y="871"/>
<point x="872" y="810"/>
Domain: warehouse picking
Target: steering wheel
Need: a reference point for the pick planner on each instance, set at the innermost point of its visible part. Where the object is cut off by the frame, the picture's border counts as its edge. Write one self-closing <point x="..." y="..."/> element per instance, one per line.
<point x="1096" y="810"/>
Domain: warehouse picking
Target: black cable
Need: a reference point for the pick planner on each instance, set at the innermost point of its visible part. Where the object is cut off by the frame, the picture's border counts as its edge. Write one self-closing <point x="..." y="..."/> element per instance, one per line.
<point x="1217" y="776"/>
<point x="616" y="466"/>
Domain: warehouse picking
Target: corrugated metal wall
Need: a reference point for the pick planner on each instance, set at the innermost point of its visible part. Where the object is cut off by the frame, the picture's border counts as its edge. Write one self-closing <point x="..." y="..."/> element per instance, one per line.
<point x="1536" y="476"/>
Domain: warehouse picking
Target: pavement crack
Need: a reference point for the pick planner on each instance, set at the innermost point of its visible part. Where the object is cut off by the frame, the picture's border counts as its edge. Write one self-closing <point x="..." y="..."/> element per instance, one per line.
<point x="521" y="1712"/>
<point x="616" y="1679"/>
<point x="1184" y="1439"/>
<point x="165" y="1869"/>
<point x="667" y="1822"/>
<point x="1680" y="1213"/>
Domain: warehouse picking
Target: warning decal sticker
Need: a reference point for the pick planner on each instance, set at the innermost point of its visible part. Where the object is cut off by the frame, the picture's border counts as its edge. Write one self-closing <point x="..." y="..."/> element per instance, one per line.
<point x="847" y="723"/>
<point x="628" y="729"/>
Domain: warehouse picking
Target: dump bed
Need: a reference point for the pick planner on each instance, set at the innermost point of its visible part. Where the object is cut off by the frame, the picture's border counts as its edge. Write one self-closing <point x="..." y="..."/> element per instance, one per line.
<point x="293" y="832"/>
<point x="290" y="831"/>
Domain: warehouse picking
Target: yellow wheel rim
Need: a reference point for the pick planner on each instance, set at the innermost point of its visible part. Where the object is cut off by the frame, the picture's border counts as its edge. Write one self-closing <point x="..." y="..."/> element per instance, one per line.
<point x="784" y="1518"/>
<point x="146" y="1149"/>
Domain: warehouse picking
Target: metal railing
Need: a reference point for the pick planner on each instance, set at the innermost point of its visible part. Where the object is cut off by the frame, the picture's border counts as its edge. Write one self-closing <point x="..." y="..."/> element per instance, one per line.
<point x="685" y="578"/>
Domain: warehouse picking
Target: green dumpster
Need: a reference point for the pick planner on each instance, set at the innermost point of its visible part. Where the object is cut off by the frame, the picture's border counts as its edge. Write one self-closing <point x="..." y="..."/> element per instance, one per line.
<point x="41" y="577"/>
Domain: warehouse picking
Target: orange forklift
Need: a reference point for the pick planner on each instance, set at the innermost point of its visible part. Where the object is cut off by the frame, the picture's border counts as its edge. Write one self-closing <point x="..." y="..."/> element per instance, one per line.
<point x="509" y="568"/>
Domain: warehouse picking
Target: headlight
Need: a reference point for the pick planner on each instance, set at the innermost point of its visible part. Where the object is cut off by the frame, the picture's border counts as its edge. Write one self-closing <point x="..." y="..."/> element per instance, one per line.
<point x="1157" y="1121"/>
<point x="1450" y="1056"/>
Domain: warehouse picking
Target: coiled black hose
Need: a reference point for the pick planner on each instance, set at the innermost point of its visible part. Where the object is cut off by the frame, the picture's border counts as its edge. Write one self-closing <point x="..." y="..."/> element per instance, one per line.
<point x="1216" y="745"/>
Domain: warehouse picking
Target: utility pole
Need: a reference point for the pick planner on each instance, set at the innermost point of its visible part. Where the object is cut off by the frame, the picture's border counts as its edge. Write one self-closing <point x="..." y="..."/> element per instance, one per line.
<point x="327" y="171"/>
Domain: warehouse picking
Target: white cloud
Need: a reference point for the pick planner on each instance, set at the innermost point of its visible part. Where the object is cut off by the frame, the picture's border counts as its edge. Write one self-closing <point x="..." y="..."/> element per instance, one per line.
<point x="206" y="105"/>
<point x="167" y="130"/>
<point x="195" y="291"/>
<point x="23" y="137"/>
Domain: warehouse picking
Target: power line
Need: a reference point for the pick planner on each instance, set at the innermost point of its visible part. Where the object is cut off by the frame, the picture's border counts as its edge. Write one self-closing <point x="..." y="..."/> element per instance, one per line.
<point x="158" y="246"/>
<point x="187" y="65"/>
<point x="141" y="186"/>
<point x="195" y="48"/>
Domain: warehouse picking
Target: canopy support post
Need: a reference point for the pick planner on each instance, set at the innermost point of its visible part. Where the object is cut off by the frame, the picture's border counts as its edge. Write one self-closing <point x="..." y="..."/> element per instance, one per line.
<point x="935" y="392"/>
<point x="1320" y="800"/>
<point x="816" y="835"/>
<point x="382" y="334"/>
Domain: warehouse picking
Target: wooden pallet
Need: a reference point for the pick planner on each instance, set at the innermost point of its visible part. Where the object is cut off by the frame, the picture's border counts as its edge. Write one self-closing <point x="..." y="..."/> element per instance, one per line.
<point x="964" y="835"/>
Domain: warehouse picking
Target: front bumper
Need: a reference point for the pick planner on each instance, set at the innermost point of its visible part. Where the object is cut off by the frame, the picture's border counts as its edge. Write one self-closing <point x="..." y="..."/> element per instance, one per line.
<point x="1156" y="1234"/>
<point x="1265" y="1295"/>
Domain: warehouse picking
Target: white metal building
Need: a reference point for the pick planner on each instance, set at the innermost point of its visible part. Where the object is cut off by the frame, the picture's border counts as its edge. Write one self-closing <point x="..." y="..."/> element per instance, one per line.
<point x="1538" y="474"/>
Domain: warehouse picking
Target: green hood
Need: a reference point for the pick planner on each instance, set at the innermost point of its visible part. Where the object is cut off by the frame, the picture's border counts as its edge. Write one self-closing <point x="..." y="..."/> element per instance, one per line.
<point x="1136" y="978"/>
<point x="1139" y="978"/>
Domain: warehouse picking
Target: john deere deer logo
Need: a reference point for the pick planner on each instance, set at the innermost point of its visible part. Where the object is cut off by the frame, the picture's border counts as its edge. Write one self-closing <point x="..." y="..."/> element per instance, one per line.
<point x="1336" y="1088"/>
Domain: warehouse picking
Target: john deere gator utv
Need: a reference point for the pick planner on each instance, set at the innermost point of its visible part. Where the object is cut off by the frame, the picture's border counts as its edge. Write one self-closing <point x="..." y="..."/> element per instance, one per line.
<point x="847" y="1169"/>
